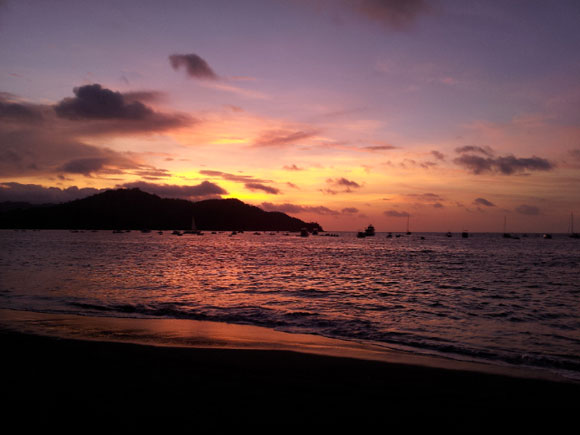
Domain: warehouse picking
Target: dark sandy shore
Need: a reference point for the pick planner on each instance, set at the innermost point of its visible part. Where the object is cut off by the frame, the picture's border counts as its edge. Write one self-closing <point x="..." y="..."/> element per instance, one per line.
<point x="51" y="382"/>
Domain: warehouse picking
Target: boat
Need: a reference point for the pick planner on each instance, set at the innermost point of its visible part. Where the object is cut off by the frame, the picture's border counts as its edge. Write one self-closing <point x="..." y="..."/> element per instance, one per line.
<point x="304" y="232"/>
<point x="408" y="231"/>
<point x="547" y="236"/>
<point x="193" y="229"/>
<point x="507" y="235"/>
<point x="465" y="234"/>
<point x="177" y="233"/>
<point x="573" y="235"/>
<point x="449" y="234"/>
<point x="361" y="235"/>
<point x="370" y="231"/>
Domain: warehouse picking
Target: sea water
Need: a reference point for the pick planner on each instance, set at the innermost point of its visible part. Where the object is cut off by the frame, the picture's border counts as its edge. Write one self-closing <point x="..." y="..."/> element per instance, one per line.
<point x="482" y="298"/>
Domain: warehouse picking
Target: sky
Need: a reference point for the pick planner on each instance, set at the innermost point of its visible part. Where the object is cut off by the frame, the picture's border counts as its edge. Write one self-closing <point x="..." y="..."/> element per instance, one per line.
<point x="448" y="114"/>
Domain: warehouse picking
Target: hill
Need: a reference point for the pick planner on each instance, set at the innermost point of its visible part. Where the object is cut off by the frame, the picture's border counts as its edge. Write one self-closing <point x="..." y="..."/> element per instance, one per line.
<point x="134" y="209"/>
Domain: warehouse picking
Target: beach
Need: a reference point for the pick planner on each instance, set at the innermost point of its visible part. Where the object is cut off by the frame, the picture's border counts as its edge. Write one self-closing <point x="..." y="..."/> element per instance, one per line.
<point x="59" y="379"/>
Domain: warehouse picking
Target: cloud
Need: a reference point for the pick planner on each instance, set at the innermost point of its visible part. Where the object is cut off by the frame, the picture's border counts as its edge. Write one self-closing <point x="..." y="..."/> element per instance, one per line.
<point x="484" y="202"/>
<point x="379" y="148"/>
<point x="349" y="210"/>
<point x="283" y="137"/>
<point x="396" y="214"/>
<point x="84" y="166"/>
<point x="95" y="110"/>
<point x="342" y="183"/>
<point x="529" y="210"/>
<point x="292" y="167"/>
<point x="37" y="194"/>
<point x="475" y="149"/>
<point x="233" y="177"/>
<point x="394" y="14"/>
<point x="18" y="112"/>
<point x="203" y="190"/>
<point x="194" y="65"/>
<point x="406" y="163"/>
<point x="95" y="102"/>
<point x="506" y="165"/>
<point x="35" y="151"/>
<point x="297" y="209"/>
<point x="263" y="187"/>
<point x="249" y="181"/>
<point x="438" y="155"/>
<point x="425" y="197"/>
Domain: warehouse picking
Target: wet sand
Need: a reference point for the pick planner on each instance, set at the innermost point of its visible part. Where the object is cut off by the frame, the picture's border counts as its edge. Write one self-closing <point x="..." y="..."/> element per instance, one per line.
<point x="53" y="380"/>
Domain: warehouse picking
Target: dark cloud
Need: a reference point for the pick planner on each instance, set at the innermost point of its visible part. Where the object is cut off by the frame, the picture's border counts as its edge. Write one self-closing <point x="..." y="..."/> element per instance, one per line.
<point x="438" y="205"/>
<point x="95" y="102"/>
<point x="84" y="166"/>
<point x="396" y="214"/>
<point x="415" y="164"/>
<point x="529" y="210"/>
<point x="34" y="151"/>
<point x="262" y="187"/>
<point x="380" y="148"/>
<point x="486" y="151"/>
<point x="506" y="165"/>
<point x="233" y="177"/>
<point x="342" y="183"/>
<point x="53" y="145"/>
<point x="349" y="210"/>
<point x="96" y="110"/>
<point x="425" y="197"/>
<point x="283" y="137"/>
<point x="203" y="190"/>
<point x="394" y="14"/>
<point x="438" y="155"/>
<point x="249" y="181"/>
<point x="141" y="96"/>
<point x="297" y="209"/>
<point x="37" y="194"/>
<point x="483" y="201"/>
<point x="194" y="65"/>
<point x="18" y="112"/>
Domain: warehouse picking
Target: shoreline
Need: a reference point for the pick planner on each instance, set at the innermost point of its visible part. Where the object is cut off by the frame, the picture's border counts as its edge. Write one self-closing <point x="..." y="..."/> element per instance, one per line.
<point x="196" y="334"/>
<point x="60" y="379"/>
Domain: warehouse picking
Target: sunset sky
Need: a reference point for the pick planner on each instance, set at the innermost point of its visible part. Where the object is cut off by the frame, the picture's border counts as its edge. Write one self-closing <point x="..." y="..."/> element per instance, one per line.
<point x="457" y="113"/>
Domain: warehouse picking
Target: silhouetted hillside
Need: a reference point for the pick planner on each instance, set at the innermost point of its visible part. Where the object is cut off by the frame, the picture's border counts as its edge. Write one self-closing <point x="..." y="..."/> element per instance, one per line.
<point x="135" y="209"/>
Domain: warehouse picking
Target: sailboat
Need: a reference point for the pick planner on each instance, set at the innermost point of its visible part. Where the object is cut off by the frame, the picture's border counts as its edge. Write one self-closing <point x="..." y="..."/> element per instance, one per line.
<point x="573" y="235"/>
<point x="408" y="232"/>
<point x="506" y="235"/>
<point x="193" y="229"/>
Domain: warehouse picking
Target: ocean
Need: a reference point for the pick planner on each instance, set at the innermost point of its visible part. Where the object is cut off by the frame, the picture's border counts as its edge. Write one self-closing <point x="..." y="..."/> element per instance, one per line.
<point x="511" y="302"/>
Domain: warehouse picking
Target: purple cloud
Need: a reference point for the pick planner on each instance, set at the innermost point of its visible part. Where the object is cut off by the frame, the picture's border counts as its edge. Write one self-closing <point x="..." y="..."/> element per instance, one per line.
<point x="194" y="65"/>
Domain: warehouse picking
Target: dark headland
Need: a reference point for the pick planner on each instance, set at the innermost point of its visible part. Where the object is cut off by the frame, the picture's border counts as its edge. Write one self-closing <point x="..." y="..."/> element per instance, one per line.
<point x="133" y="209"/>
